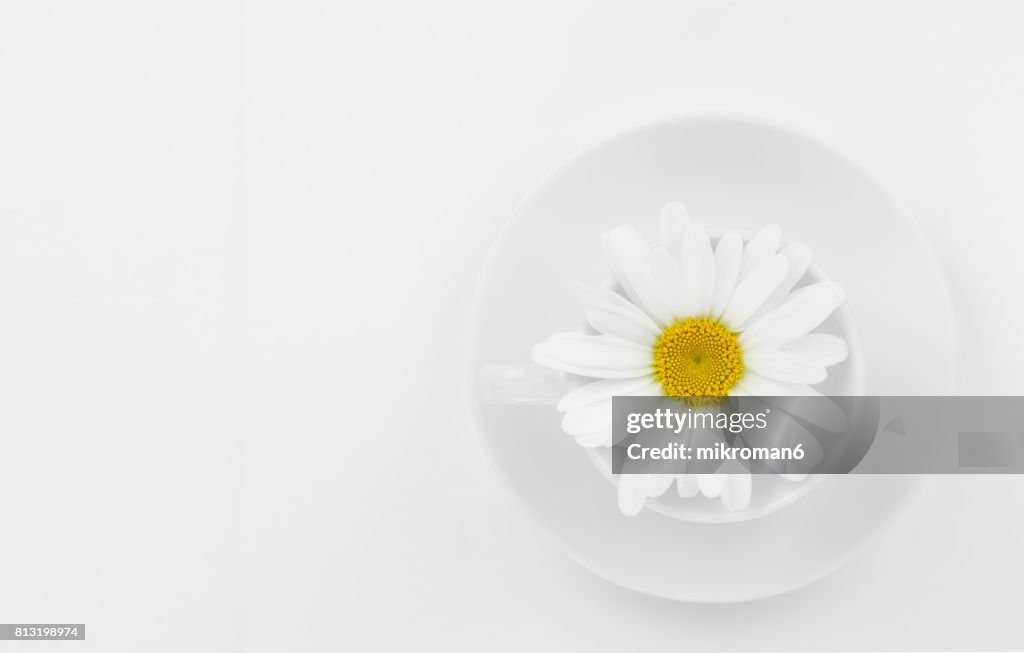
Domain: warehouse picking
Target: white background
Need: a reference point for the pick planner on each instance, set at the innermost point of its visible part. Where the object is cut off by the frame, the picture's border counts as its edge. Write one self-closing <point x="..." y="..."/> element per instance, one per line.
<point x="231" y="234"/>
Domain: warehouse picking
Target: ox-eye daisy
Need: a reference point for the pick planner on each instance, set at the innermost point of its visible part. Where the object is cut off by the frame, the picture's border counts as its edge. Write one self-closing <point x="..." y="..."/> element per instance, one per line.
<point x="687" y="318"/>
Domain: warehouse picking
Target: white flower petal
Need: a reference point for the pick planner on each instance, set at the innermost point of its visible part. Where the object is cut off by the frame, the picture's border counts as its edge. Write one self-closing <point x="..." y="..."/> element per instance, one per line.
<point x="603" y="389"/>
<point x="755" y="288"/>
<point x="698" y="269"/>
<point x="593" y="419"/>
<point x="674" y="219"/>
<point x="657" y="484"/>
<point x="601" y="297"/>
<point x="823" y="412"/>
<point x="652" y="389"/>
<point x="711" y="485"/>
<point x="822" y="348"/>
<point x="576" y="336"/>
<point x="632" y="493"/>
<point x="613" y="324"/>
<point x="807" y="391"/>
<point x="669" y="281"/>
<point x="799" y="258"/>
<point x="628" y="257"/>
<point x="603" y="357"/>
<point x="804" y="310"/>
<point x="738" y="488"/>
<point x="599" y="341"/>
<point x="686" y="485"/>
<point x="761" y="247"/>
<point x="754" y="385"/>
<point x="609" y="301"/>
<point x="784" y="366"/>
<point x="622" y="242"/>
<point x="728" y="260"/>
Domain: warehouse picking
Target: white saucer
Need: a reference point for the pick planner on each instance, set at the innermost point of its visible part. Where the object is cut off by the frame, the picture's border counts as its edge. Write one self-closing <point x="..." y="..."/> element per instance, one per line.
<point x="730" y="172"/>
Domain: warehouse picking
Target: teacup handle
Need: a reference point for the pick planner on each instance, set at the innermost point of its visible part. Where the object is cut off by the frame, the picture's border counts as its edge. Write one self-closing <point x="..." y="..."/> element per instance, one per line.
<point x="524" y="384"/>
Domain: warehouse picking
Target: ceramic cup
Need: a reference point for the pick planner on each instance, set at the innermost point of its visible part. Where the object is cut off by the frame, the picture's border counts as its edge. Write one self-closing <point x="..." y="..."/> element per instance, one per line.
<point x="530" y="384"/>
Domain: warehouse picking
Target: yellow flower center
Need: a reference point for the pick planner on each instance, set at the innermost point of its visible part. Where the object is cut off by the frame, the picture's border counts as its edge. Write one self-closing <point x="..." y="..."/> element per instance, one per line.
<point x="697" y="357"/>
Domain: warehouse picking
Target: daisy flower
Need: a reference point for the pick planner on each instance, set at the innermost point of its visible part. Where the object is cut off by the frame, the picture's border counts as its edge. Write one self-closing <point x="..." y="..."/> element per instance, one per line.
<point x="692" y="318"/>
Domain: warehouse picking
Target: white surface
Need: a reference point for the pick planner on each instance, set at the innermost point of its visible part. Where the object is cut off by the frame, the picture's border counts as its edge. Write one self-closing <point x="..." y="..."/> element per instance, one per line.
<point x="328" y="176"/>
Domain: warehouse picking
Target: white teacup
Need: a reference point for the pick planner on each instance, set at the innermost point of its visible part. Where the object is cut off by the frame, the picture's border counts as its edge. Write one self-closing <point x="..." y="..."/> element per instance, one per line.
<point x="530" y="384"/>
